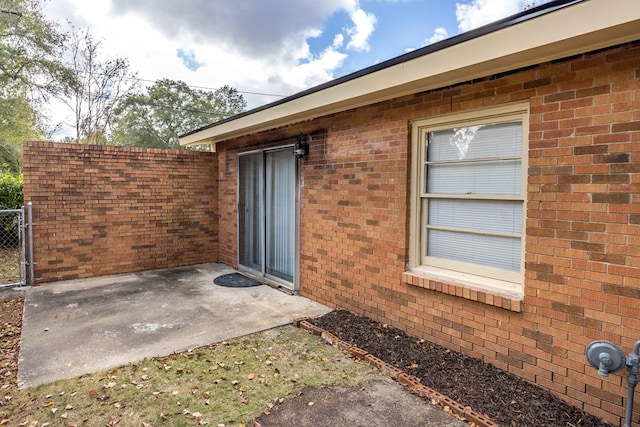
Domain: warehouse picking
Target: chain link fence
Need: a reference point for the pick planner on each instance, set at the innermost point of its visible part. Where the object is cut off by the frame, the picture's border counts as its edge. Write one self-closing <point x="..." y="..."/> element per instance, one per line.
<point x="13" y="245"/>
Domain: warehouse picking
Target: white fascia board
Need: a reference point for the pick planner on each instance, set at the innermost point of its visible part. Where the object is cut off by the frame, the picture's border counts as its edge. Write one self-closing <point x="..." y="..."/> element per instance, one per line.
<point x="579" y="28"/>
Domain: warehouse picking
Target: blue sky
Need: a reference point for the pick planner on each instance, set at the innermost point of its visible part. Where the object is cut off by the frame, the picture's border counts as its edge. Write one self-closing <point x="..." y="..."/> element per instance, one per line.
<point x="269" y="47"/>
<point x="400" y="26"/>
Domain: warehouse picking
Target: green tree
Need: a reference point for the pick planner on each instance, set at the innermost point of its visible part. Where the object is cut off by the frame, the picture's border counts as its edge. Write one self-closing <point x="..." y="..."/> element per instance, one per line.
<point x="31" y="50"/>
<point x="31" y="71"/>
<point x="170" y="108"/>
<point x="18" y="123"/>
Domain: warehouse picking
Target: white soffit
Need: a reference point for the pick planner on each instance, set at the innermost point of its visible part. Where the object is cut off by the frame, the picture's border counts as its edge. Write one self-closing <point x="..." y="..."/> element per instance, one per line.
<point x="579" y="28"/>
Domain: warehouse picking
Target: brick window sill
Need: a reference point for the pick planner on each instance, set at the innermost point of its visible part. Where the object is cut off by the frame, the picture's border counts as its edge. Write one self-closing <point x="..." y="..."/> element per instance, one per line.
<point x="507" y="300"/>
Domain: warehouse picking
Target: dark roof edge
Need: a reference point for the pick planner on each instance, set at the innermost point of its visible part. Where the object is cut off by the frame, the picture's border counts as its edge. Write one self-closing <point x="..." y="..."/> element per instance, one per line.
<point x="441" y="45"/>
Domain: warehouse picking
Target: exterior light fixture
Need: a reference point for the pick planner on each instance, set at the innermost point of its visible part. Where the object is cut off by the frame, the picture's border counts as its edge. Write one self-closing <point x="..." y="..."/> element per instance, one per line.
<point x="301" y="148"/>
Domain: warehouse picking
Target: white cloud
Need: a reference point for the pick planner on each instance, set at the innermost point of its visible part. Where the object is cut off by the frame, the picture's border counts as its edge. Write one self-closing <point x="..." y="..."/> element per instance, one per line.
<point x="364" y="24"/>
<point x="314" y="72"/>
<point x="477" y="13"/>
<point x="254" y="40"/>
<point x="255" y="46"/>
<point x="439" y="33"/>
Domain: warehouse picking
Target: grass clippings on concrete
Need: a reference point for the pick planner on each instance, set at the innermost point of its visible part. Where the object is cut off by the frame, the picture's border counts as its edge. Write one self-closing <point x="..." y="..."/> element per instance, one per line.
<point x="227" y="384"/>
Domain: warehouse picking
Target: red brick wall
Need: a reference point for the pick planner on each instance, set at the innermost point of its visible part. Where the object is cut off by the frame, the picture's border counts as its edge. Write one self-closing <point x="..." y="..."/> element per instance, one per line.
<point x="105" y="210"/>
<point x="583" y="223"/>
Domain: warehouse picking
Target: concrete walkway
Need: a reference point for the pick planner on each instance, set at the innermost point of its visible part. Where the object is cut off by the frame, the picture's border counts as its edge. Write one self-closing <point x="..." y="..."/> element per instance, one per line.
<point x="80" y="326"/>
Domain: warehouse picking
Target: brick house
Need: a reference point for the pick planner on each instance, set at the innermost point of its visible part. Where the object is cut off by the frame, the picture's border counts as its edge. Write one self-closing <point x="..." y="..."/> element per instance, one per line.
<point x="482" y="192"/>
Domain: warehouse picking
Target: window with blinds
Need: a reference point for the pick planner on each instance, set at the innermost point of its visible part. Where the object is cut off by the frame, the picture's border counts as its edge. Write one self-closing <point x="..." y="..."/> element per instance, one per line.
<point x="471" y="194"/>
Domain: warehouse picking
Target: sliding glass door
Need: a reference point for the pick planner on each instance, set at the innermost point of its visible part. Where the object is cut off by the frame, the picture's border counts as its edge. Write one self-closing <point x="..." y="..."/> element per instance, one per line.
<point x="266" y="214"/>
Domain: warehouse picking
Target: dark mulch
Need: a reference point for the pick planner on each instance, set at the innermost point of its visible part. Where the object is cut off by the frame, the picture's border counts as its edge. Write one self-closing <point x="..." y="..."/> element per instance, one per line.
<point x="505" y="398"/>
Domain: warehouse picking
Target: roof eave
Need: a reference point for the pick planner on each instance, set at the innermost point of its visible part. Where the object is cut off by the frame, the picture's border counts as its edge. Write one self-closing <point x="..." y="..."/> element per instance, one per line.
<point x="601" y="24"/>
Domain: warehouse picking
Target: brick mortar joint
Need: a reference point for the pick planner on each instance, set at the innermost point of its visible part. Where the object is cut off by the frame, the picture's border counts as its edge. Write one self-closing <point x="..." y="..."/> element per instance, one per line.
<point x="410" y="382"/>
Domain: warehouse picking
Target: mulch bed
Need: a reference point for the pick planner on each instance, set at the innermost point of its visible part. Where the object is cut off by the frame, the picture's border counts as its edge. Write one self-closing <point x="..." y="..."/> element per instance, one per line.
<point x="505" y="398"/>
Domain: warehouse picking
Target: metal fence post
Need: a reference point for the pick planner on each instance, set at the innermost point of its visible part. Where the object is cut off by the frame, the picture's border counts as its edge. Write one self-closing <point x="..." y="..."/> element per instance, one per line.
<point x="22" y="233"/>
<point x="30" y="238"/>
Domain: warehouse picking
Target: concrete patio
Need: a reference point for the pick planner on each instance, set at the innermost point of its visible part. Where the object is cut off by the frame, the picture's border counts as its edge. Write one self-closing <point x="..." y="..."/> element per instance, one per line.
<point x="80" y="326"/>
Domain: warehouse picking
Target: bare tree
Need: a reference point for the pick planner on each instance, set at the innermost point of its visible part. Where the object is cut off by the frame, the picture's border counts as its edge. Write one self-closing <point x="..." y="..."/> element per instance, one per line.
<point x="100" y="86"/>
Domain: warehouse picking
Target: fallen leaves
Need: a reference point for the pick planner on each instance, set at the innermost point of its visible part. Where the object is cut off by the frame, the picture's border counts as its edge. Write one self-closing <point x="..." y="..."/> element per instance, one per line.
<point x="196" y="416"/>
<point x="10" y="327"/>
<point x="220" y="384"/>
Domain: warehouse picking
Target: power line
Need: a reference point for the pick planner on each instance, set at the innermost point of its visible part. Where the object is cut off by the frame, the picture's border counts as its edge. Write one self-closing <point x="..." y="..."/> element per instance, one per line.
<point x="201" y="87"/>
<point x="11" y="12"/>
<point x="213" y="88"/>
<point x="222" y="114"/>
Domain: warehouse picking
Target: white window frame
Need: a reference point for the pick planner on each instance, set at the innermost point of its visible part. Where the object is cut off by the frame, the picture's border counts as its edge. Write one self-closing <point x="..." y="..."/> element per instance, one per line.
<point x="477" y="276"/>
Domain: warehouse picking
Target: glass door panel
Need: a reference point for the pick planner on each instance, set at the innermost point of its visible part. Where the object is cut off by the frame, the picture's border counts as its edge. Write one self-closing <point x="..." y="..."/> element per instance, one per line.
<point x="280" y="208"/>
<point x="250" y="211"/>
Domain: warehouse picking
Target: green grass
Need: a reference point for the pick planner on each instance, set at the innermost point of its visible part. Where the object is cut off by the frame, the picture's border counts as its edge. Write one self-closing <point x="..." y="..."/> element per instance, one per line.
<point x="230" y="383"/>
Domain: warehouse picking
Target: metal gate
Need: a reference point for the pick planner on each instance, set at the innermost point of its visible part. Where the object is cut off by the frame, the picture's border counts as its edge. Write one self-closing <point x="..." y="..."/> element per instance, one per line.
<point x="16" y="247"/>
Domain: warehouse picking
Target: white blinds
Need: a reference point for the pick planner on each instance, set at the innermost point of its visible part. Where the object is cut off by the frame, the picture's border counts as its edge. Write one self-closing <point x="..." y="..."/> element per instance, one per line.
<point x="497" y="216"/>
<point x="489" y="251"/>
<point x="470" y="174"/>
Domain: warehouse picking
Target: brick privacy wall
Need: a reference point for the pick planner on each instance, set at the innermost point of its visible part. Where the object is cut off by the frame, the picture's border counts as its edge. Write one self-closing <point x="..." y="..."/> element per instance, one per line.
<point x="582" y="278"/>
<point x="105" y="210"/>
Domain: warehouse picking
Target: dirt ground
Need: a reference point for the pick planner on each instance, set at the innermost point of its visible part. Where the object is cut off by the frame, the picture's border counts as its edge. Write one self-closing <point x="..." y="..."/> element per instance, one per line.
<point x="379" y="403"/>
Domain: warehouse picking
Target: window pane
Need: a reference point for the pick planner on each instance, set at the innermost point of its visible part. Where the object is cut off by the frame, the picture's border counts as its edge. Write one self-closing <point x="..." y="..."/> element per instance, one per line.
<point x="476" y="142"/>
<point x="280" y="219"/>
<point x="490" y="251"/>
<point x="491" y="177"/>
<point x="475" y="160"/>
<point x="250" y="211"/>
<point x="499" y="216"/>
